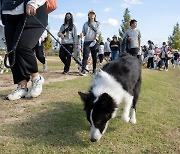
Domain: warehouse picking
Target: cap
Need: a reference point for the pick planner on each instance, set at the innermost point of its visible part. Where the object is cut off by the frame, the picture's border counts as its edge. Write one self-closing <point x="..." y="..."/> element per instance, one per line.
<point x="114" y="36"/>
<point x="91" y="11"/>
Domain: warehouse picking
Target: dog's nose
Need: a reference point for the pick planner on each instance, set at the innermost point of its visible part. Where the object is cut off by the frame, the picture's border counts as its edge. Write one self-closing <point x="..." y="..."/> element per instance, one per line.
<point x="93" y="140"/>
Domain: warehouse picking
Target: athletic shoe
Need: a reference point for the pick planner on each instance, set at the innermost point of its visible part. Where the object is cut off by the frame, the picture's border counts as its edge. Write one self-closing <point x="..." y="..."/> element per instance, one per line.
<point x="36" y="88"/>
<point x="45" y="67"/>
<point x="18" y="93"/>
<point x="82" y="73"/>
<point x="65" y="72"/>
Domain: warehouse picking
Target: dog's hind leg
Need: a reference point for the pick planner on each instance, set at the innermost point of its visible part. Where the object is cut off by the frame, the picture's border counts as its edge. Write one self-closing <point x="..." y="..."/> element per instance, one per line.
<point x="128" y="103"/>
<point x="136" y="94"/>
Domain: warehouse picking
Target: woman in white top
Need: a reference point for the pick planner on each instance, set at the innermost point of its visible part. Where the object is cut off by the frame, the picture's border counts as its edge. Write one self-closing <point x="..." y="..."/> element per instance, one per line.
<point x="101" y="53"/>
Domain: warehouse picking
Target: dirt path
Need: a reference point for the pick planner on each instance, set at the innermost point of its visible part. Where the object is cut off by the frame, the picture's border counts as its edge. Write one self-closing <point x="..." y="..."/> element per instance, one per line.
<point x="6" y="81"/>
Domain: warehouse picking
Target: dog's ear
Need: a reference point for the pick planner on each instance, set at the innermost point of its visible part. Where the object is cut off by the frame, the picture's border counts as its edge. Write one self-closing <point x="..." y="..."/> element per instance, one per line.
<point x="84" y="98"/>
<point x="107" y="103"/>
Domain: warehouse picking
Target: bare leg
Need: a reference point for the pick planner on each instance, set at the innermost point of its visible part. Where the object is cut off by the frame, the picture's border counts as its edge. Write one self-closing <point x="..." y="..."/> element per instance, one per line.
<point x="34" y="75"/>
<point x="23" y="83"/>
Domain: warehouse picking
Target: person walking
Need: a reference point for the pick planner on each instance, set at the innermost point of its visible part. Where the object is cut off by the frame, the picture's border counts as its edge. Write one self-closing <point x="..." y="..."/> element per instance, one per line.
<point x="13" y="15"/>
<point x="91" y="32"/>
<point x="133" y="36"/>
<point x="69" y="40"/>
<point x="39" y="50"/>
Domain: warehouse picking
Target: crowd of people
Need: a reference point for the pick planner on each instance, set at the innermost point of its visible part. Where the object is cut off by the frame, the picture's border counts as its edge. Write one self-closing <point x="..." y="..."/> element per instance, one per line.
<point x="87" y="46"/>
<point x="22" y="28"/>
<point x="159" y="58"/>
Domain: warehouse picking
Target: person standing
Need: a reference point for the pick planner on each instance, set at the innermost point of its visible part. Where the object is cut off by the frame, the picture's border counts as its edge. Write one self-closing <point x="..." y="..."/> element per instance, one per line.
<point x="175" y="58"/>
<point x="69" y="40"/>
<point x="91" y="32"/>
<point x="101" y="53"/>
<point x="114" y="45"/>
<point x="164" y="56"/>
<point x="13" y="16"/>
<point x="150" y="63"/>
<point x="107" y="50"/>
<point x="78" y="52"/>
<point x="133" y="36"/>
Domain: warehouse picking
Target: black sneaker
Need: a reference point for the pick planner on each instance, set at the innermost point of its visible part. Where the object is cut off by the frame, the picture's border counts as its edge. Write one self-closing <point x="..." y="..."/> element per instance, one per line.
<point x="65" y="72"/>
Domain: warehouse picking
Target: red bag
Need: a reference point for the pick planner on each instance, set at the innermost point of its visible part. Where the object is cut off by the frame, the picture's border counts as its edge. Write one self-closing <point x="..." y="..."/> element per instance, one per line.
<point x="51" y="5"/>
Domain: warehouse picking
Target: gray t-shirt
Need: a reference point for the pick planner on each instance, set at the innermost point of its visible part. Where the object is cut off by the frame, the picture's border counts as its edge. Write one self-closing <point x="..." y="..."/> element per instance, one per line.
<point x="70" y="36"/>
<point x="135" y="35"/>
<point x="107" y="47"/>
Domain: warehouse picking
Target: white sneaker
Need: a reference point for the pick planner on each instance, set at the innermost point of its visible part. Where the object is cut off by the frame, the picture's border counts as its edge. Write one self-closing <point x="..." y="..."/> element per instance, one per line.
<point x="82" y="73"/>
<point x="18" y="93"/>
<point x="36" y="88"/>
<point x="1" y="71"/>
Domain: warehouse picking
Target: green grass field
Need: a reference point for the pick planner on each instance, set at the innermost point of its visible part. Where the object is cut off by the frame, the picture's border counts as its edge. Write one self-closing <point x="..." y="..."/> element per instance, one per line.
<point x="56" y="123"/>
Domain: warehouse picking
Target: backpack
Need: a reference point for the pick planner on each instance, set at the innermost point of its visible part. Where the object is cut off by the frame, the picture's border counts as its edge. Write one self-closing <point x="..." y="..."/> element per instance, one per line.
<point x="51" y="5"/>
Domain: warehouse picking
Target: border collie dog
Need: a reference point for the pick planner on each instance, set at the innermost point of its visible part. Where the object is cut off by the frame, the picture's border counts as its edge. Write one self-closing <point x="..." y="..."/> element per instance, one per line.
<point x="118" y="81"/>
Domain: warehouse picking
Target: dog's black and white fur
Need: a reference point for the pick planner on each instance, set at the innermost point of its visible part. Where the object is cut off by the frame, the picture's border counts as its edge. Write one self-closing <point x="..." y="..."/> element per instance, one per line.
<point x="118" y="81"/>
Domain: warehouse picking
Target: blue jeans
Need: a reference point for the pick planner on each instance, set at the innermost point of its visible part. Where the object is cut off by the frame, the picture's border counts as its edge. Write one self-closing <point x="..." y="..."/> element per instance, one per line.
<point x="114" y="55"/>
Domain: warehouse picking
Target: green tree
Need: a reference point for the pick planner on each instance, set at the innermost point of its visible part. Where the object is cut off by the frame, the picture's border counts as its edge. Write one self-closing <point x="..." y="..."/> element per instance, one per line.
<point x="100" y="38"/>
<point x="174" y="39"/>
<point x="125" y="24"/>
<point x="48" y="44"/>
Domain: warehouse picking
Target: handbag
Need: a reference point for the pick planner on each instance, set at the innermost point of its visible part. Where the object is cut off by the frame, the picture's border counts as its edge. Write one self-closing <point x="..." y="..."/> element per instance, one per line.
<point x="96" y="46"/>
<point x="51" y="5"/>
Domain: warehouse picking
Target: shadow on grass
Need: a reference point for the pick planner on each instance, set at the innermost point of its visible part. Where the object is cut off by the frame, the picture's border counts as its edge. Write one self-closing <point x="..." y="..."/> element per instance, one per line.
<point x="64" y="125"/>
<point x="3" y="96"/>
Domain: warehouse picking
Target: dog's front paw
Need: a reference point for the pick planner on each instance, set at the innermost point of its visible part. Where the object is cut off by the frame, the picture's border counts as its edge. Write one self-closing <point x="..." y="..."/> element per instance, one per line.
<point x="133" y="120"/>
<point x="125" y="118"/>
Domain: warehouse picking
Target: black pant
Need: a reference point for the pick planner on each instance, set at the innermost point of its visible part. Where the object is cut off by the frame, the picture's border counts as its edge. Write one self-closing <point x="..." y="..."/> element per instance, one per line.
<point x="25" y="61"/>
<point x="65" y="57"/>
<point x="133" y="51"/>
<point x="86" y="52"/>
<point x="150" y="63"/>
<point x="40" y="53"/>
<point x="101" y="57"/>
<point x="165" y="61"/>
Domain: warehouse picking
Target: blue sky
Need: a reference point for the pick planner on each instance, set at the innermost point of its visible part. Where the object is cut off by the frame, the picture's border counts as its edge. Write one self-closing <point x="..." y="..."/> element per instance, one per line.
<point x="156" y="18"/>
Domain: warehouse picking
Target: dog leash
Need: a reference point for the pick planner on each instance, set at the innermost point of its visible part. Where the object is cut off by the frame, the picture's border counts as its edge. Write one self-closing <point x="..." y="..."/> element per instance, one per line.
<point x="13" y="51"/>
<point x="76" y="60"/>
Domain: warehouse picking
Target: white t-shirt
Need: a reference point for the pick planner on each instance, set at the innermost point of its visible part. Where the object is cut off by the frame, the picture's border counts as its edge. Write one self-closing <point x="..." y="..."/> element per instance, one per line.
<point x="20" y="9"/>
<point x="101" y="49"/>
